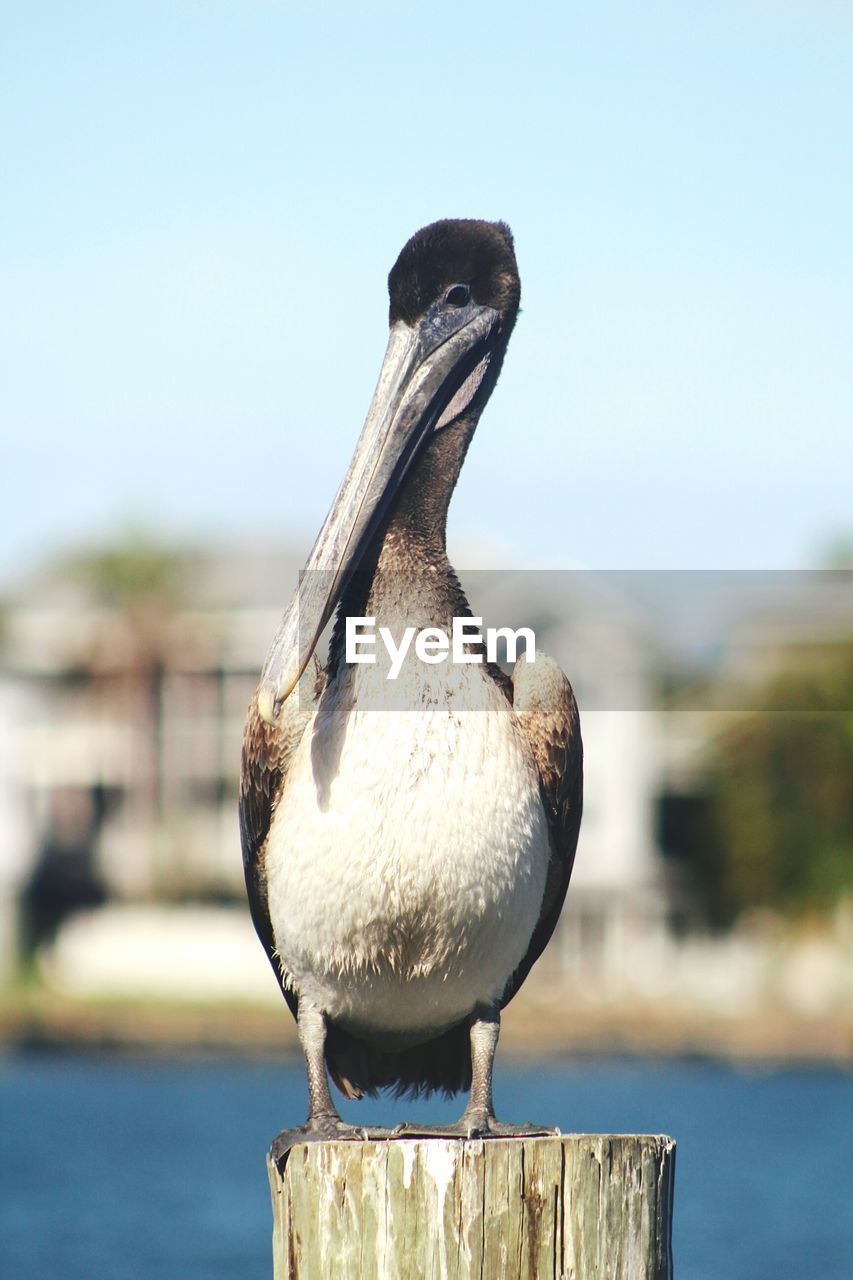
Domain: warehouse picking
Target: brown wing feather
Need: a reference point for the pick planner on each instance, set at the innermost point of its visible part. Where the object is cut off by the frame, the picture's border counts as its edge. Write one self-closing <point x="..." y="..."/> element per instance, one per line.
<point x="547" y="712"/>
<point x="267" y="752"/>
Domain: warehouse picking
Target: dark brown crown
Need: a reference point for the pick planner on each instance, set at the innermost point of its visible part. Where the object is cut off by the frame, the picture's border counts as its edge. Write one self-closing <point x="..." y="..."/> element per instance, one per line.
<point x="456" y="251"/>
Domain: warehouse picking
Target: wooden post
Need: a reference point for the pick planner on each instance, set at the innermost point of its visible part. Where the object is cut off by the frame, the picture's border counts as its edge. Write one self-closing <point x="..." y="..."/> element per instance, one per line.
<point x="580" y="1206"/>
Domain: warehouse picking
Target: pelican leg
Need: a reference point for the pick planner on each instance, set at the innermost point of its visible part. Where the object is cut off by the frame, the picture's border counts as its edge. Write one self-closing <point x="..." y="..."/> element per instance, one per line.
<point x="479" y="1115"/>
<point x="324" y="1124"/>
<point x="478" y="1118"/>
<point x="311" y="1024"/>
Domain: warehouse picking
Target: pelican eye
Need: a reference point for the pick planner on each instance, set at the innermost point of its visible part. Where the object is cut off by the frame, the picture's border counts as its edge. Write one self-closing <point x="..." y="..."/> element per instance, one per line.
<point x="458" y="295"/>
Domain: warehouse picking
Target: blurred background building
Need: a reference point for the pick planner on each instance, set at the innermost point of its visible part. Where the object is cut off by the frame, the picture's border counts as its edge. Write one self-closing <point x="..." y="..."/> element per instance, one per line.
<point x="719" y="778"/>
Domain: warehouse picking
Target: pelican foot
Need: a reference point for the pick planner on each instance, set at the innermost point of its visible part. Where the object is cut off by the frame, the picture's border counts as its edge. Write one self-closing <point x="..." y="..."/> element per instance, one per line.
<point x="325" y="1128"/>
<point x="475" y="1124"/>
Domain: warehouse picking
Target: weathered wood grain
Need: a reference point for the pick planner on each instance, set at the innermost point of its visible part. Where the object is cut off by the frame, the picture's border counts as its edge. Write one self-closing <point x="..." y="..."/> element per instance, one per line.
<point x="576" y="1207"/>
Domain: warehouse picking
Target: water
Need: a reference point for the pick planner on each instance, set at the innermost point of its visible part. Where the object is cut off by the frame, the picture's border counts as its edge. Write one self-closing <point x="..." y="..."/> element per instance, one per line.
<point x="122" y="1169"/>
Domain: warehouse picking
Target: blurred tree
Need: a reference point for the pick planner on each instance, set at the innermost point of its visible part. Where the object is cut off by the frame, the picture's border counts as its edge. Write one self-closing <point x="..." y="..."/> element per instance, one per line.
<point x="140" y="581"/>
<point x="838" y="554"/>
<point x="780" y="804"/>
<point x="137" y="583"/>
<point x="134" y="572"/>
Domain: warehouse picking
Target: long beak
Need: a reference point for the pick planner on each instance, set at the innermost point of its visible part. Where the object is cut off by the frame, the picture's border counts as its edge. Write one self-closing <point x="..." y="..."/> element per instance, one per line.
<point x="427" y="369"/>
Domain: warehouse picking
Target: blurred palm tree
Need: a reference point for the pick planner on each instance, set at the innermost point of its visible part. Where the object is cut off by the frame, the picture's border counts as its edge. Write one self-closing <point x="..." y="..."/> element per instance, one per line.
<point x="139" y="583"/>
<point x="781" y="795"/>
<point x="112" y="670"/>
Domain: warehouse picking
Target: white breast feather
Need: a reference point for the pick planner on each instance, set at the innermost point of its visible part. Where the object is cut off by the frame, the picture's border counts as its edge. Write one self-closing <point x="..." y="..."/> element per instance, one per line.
<point x="407" y="858"/>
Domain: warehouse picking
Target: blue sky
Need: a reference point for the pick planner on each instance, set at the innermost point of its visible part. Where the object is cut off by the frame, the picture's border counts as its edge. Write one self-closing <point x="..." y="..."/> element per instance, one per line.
<point x="202" y="200"/>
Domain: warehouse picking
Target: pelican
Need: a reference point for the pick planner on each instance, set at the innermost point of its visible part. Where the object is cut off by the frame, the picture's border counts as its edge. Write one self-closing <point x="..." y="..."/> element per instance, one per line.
<point x="408" y="844"/>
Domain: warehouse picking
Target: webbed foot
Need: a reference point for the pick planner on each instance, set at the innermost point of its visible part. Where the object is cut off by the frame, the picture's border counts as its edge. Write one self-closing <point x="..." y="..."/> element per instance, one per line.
<point x="322" y="1128"/>
<point x="325" y="1128"/>
<point x="475" y="1123"/>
